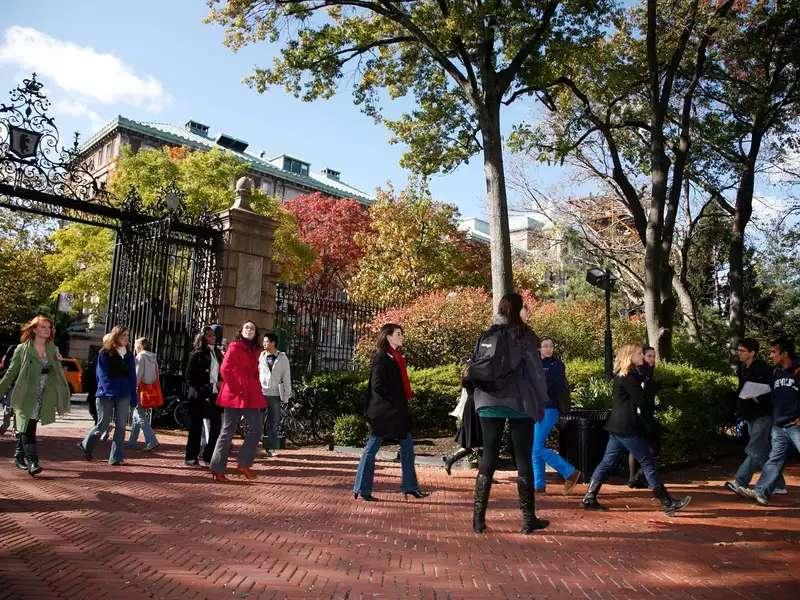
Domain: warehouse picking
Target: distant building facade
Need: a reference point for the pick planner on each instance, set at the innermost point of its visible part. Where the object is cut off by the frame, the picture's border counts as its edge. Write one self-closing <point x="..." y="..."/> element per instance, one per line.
<point x="283" y="176"/>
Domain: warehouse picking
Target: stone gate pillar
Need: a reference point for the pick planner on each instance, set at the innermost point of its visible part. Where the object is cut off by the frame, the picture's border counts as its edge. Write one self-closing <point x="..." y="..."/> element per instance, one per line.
<point x="248" y="274"/>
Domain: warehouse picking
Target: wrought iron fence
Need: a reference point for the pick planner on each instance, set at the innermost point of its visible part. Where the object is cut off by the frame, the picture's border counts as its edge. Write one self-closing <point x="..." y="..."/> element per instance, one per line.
<point x="319" y="331"/>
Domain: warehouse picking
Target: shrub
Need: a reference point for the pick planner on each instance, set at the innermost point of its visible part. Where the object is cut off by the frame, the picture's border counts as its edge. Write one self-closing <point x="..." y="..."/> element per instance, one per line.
<point x="436" y="392"/>
<point x="578" y="327"/>
<point x="350" y="430"/>
<point x="440" y="327"/>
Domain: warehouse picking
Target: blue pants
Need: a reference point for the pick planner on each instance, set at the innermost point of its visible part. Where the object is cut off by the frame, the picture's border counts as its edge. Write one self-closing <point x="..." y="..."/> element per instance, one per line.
<point x="782" y="438"/>
<point x="272" y="421"/>
<point x="366" y="466"/>
<point x="106" y="407"/>
<point x="542" y="455"/>
<point x="619" y="446"/>
<point x="141" y="422"/>
<point x="757" y="451"/>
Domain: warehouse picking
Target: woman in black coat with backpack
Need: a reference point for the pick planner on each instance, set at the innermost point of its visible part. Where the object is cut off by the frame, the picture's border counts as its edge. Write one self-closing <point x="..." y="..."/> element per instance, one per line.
<point x="387" y="412"/>
<point x="509" y="386"/>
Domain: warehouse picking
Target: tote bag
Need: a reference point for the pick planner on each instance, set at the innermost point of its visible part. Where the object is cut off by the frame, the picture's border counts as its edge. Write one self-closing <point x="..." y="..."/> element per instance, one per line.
<point x="150" y="395"/>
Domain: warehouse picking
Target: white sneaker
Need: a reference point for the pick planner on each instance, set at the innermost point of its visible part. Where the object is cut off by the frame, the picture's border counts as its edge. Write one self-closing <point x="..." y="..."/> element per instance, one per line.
<point x="780" y="491"/>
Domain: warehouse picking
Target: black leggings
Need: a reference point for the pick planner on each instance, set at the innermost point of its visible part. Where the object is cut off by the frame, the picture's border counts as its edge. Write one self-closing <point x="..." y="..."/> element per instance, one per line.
<point x="521" y="436"/>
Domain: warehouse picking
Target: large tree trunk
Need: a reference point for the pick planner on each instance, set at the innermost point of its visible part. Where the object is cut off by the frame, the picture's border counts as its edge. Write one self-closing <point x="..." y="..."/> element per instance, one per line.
<point x="686" y="301"/>
<point x="497" y="204"/>
<point x="741" y="217"/>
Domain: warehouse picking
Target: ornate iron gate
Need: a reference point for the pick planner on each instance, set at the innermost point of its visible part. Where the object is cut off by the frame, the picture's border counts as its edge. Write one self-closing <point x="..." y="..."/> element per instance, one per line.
<point x="164" y="286"/>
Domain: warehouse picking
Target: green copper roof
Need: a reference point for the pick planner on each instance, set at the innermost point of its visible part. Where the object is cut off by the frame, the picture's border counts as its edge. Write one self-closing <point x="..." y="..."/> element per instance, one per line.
<point x="180" y="136"/>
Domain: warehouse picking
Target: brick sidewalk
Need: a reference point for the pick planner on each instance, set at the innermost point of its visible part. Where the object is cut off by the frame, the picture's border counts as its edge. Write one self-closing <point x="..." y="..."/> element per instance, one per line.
<point x="155" y="529"/>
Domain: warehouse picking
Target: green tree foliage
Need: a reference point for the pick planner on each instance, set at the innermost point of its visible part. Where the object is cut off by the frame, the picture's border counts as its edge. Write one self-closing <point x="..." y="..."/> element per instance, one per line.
<point x="623" y="111"/>
<point x="81" y="260"/>
<point x="462" y="62"/>
<point x="26" y="282"/>
<point x="414" y="247"/>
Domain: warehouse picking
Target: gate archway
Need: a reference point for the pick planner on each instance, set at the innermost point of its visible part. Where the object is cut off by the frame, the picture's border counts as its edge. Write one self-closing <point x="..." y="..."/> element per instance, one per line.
<point x="166" y="271"/>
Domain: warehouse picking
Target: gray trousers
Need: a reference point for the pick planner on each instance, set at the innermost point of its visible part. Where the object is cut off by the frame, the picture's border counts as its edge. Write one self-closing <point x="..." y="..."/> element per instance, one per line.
<point x="230" y="421"/>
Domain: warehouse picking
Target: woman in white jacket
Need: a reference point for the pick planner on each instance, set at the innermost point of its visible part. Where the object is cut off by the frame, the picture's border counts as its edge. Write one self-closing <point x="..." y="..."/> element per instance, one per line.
<point x="275" y="375"/>
<point x="146" y="372"/>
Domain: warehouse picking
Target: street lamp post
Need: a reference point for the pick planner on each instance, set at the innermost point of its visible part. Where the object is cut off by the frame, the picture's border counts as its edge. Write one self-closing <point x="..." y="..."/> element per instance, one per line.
<point x="605" y="280"/>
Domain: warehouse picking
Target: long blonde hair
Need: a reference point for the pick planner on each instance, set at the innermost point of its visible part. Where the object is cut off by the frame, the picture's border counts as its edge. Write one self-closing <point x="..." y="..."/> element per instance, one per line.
<point x="111" y="339"/>
<point x="623" y="359"/>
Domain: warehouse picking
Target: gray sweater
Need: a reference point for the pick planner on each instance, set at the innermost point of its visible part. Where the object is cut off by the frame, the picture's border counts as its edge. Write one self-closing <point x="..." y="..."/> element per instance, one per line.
<point x="526" y="390"/>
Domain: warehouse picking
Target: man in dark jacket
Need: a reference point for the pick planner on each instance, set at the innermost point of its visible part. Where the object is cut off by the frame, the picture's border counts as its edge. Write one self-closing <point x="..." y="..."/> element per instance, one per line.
<point x="756" y="411"/>
<point x="785" y="417"/>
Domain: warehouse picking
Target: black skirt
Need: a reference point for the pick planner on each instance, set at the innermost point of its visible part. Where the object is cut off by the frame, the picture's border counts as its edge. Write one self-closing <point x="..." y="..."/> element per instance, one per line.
<point x="469" y="435"/>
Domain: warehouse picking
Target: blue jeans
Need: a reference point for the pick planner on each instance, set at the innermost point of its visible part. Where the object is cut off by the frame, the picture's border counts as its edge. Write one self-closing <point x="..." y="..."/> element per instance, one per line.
<point x="619" y="446"/>
<point x="542" y="455"/>
<point x="366" y="466"/>
<point x="106" y="407"/>
<point x="782" y="437"/>
<point x="141" y="421"/>
<point x="757" y="451"/>
<point x="272" y="421"/>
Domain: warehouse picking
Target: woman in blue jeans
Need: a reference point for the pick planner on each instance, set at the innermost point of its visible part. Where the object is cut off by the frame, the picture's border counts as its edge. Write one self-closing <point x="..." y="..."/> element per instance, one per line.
<point x="387" y="412"/>
<point x="627" y="433"/>
<point x="116" y="393"/>
<point x="556" y="376"/>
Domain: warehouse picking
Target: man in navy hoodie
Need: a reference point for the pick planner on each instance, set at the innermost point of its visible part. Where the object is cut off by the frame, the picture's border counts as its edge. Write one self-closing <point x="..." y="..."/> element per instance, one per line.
<point x="757" y="414"/>
<point x="785" y="416"/>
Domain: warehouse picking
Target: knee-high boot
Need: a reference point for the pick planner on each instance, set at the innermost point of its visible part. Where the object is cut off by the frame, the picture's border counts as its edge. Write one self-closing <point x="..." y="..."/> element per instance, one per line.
<point x="483" y="486"/>
<point x="31" y="455"/>
<point x="19" y="454"/>
<point x="527" y="504"/>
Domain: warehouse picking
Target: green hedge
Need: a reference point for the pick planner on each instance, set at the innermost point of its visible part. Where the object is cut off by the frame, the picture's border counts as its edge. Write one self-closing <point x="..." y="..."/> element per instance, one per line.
<point x="692" y="403"/>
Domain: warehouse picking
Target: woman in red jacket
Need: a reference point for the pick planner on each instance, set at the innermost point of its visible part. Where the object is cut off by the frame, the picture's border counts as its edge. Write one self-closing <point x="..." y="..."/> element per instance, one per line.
<point x="239" y="396"/>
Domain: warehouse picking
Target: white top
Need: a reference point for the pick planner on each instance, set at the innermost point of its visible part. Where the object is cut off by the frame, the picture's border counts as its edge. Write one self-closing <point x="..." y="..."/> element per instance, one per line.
<point x="214" y="371"/>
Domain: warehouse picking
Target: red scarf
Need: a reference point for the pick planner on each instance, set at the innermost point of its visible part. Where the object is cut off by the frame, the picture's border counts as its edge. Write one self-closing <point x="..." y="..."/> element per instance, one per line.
<point x="401" y="362"/>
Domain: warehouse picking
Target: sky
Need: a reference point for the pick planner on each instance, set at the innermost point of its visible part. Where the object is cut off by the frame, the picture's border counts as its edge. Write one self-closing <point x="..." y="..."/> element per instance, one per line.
<point x="157" y="61"/>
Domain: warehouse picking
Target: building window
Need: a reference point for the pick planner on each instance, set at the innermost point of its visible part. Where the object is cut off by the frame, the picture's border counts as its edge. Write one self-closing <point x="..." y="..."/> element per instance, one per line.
<point x="295" y="166"/>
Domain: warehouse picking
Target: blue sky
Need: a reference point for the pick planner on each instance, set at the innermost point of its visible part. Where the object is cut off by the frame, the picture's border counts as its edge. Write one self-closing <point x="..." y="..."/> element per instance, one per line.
<point x="157" y="61"/>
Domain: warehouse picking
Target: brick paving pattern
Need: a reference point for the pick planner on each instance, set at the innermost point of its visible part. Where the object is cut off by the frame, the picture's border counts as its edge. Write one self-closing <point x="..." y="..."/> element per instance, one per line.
<point x="156" y="529"/>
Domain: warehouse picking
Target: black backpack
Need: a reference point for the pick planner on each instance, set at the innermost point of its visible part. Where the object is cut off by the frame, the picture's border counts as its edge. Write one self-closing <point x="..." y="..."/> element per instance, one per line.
<point x="490" y="365"/>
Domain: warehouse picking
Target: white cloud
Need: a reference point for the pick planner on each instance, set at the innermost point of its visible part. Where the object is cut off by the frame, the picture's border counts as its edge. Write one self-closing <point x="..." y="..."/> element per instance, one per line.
<point x="75" y="108"/>
<point x="81" y="71"/>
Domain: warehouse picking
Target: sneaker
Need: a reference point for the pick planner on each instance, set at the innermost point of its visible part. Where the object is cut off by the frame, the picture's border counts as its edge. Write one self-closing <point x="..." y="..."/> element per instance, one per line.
<point x="192" y="463"/>
<point x="756" y="496"/>
<point x="272" y="453"/>
<point x="738" y="489"/>
<point x="570" y="481"/>
<point x="151" y="447"/>
<point x="781" y="491"/>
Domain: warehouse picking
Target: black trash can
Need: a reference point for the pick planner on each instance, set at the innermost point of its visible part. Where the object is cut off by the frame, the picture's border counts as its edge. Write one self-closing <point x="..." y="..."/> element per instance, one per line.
<point x="582" y="439"/>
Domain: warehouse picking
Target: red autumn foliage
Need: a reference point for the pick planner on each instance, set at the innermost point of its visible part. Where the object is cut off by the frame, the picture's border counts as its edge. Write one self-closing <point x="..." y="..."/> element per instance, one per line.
<point x="330" y="225"/>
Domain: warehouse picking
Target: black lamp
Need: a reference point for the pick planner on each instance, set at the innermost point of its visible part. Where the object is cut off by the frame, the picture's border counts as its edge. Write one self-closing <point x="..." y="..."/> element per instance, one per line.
<point x="605" y="280"/>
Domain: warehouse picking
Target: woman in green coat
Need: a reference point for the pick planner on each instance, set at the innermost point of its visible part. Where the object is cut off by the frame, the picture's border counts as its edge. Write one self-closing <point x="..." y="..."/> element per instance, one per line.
<point x="40" y="388"/>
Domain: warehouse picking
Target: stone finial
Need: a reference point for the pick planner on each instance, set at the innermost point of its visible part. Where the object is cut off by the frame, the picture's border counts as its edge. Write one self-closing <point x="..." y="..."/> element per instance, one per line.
<point x="244" y="191"/>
